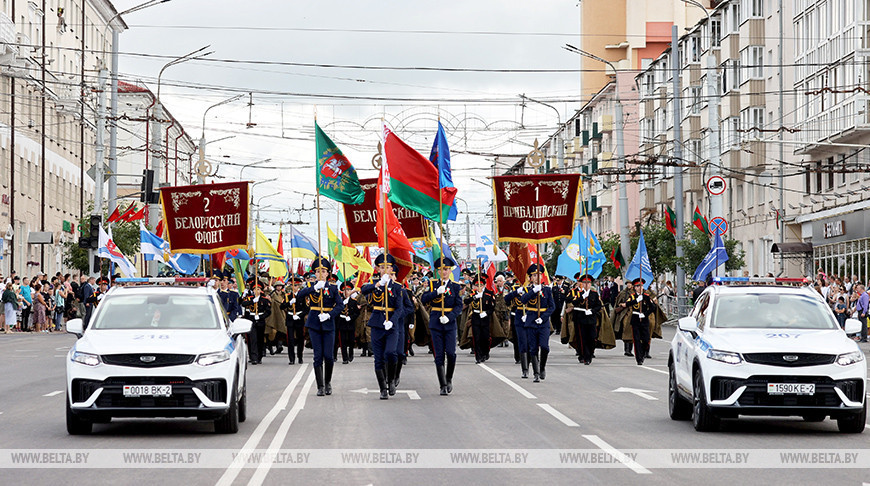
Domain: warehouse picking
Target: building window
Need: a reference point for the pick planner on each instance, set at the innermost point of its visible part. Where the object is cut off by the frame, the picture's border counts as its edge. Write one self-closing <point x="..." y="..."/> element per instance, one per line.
<point x="694" y="100"/>
<point x="818" y="167"/>
<point x="716" y="32"/>
<point x="752" y="121"/>
<point x="829" y="180"/>
<point x="752" y="60"/>
<point x="842" y="167"/>
<point x="753" y="9"/>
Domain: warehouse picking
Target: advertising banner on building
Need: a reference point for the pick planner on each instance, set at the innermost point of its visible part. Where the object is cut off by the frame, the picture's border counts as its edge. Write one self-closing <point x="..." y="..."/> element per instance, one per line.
<point x="361" y="218"/>
<point x="207" y="218"/>
<point x="535" y="208"/>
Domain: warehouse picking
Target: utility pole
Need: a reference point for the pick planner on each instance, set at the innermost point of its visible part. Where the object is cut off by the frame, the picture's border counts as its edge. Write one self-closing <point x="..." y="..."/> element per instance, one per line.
<point x="99" y="164"/>
<point x="781" y="210"/>
<point x="113" y="127"/>
<point x="678" y="172"/>
<point x="715" y="151"/>
<point x="156" y="151"/>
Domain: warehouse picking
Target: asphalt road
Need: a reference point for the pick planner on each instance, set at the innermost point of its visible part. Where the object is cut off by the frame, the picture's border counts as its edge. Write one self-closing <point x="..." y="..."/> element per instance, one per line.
<point x="491" y="412"/>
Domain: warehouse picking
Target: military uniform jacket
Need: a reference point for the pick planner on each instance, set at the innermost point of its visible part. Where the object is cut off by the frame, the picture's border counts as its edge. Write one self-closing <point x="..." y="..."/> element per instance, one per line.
<point x="94" y="298"/>
<point x="641" y="308"/>
<point x="346" y="321"/>
<point x="514" y="302"/>
<point x="580" y="304"/>
<point x="485" y="304"/>
<point x="449" y="304"/>
<point x="295" y="313"/>
<point x="538" y="305"/>
<point x="327" y="300"/>
<point x="230" y="300"/>
<point x="258" y="311"/>
<point x="394" y="294"/>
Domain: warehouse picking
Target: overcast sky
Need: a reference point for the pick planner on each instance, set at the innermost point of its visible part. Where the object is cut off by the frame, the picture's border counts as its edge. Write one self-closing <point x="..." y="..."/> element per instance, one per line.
<point x="481" y="111"/>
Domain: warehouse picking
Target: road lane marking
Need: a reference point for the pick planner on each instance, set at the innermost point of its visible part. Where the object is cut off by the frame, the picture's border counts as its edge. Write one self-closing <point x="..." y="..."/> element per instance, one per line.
<point x="629" y="463"/>
<point x="522" y="391"/>
<point x="278" y="440"/>
<point x="654" y="369"/>
<point x="412" y="394"/>
<point x="233" y="470"/>
<point x="56" y="392"/>
<point x="636" y="391"/>
<point x="559" y="415"/>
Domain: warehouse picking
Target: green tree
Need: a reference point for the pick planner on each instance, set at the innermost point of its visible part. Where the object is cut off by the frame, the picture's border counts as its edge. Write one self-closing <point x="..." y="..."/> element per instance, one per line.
<point x="696" y="245"/>
<point x="125" y="235"/>
<point x="608" y="243"/>
<point x="660" y="246"/>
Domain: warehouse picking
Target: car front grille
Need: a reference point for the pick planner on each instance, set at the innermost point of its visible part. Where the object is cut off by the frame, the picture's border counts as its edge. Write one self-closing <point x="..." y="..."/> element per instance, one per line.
<point x="756" y="394"/>
<point x="182" y="392"/>
<point x="789" y="360"/>
<point x="148" y="360"/>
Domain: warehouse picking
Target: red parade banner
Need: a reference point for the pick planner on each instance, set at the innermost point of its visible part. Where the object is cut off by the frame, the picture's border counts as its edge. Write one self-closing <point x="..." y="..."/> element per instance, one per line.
<point x="535" y="208"/>
<point x="207" y="218"/>
<point x="361" y="218"/>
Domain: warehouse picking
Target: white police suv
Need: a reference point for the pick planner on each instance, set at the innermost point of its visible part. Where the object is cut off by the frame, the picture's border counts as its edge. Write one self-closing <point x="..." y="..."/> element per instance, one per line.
<point x="765" y="350"/>
<point x="154" y="351"/>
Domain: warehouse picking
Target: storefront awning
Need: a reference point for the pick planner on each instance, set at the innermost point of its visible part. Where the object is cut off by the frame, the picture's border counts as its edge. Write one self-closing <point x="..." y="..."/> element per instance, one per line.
<point x="792" y="248"/>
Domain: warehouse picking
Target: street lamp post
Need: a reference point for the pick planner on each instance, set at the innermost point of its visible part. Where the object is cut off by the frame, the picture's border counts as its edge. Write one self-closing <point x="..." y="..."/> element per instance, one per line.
<point x="467" y="230"/>
<point x="560" y="147"/>
<point x="200" y="177"/>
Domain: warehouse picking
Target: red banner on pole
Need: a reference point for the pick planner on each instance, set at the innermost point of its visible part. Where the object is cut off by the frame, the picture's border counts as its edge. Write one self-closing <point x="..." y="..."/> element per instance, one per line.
<point x="361" y="218"/>
<point x="207" y="218"/>
<point x="535" y="208"/>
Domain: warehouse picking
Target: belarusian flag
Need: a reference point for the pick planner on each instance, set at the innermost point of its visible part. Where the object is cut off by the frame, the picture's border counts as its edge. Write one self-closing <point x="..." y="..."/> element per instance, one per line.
<point x="700" y="221"/>
<point x="336" y="177"/>
<point x="414" y="181"/>
<point x="670" y="219"/>
<point x="616" y="257"/>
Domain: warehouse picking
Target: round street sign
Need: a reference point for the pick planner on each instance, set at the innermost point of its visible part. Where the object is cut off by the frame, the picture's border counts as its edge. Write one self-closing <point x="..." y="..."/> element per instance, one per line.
<point x="716" y="185"/>
<point x="718" y="226"/>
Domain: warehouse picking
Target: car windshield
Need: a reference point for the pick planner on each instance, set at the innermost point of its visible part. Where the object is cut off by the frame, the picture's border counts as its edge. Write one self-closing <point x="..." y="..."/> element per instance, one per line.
<point x="771" y="311"/>
<point x="156" y="311"/>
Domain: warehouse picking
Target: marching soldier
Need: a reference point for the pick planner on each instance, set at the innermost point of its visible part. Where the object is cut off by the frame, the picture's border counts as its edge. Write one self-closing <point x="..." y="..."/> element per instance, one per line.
<point x="481" y="311"/>
<point x="444" y="297"/>
<point x="229" y="298"/>
<point x="347" y="323"/>
<point x="97" y="297"/>
<point x="295" y="310"/>
<point x="257" y="308"/>
<point x="517" y="316"/>
<point x="388" y="310"/>
<point x="403" y="331"/>
<point x="276" y="329"/>
<point x="325" y="304"/>
<point x="586" y="305"/>
<point x="538" y="300"/>
<point x="641" y="306"/>
<point x="559" y="298"/>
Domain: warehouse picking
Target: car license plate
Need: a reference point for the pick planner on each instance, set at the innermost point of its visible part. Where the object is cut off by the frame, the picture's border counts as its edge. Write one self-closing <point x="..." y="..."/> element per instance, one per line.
<point x="791" y="389"/>
<point x="147" y="390"/>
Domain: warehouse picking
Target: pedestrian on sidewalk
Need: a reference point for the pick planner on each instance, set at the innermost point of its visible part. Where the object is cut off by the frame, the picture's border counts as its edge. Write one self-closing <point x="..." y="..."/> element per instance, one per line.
<point x="10" y="307"/>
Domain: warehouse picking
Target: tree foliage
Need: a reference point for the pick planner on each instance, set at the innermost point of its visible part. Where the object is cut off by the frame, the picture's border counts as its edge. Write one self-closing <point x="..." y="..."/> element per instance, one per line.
<point x="696" y="245"/>
<point x="125" y="235"/>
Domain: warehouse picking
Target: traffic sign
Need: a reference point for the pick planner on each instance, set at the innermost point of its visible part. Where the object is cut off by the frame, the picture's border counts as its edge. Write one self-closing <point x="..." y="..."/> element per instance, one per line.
<point x="718" y="226"/>
<point x="716" y="185"/>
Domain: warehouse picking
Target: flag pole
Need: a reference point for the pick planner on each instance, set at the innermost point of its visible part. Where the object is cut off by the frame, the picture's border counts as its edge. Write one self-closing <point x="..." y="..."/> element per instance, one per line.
<point x="381" y="182"/>
<point x="317" y="202"/>
<point x="440" y="216"/>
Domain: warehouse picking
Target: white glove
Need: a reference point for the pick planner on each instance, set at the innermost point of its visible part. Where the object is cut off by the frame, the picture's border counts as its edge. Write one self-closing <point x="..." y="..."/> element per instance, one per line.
<point x="99" y="297"/>
<point x="388" y="325"/>
<point x="479" y="295"/>
<point x="410" y="326"/>
<point x="354" y="294"/>
<point x="538" y="321"/>
<point x="295" y="317"/>
<point x="537" y="288"/>
<point x="292" y="301"/>
<point x="523" y="318"/>
<point x="385" y="279"/>
<point x="444" y="319"/>
<point x="320" y="284"/>
<point x="346" y="301"/>
<point x="588" y="312"/>
<point x="482" y="314"/>
<point x="346" y="318"/>
<point x="442" y="289"/>
<point x="323" y="316"/>
<point x="521" y="290"/>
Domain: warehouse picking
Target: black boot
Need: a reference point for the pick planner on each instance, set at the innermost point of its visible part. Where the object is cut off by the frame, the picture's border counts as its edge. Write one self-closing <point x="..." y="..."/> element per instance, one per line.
<point x="524" y="364"/>
<point x="327" y="377"/>
<point x="517" y="357"/>
<point x="627" y="347"/>
<point x="411" y="350"/>
<point x="350" y="355"/>
<point x="382" y="383"/>
<point x="544" y="354"/>
<point x="318" y="375"/>
<point x="279" y="349"/>
<point x="271" y="350"/>
<point x="391" y="377"/>
<point x="442" y="381"/>
<point x="398" y="374"/>
<point x="448" y="374"/>
<point x="300" y="356"/>
<point x="535" y="368"/>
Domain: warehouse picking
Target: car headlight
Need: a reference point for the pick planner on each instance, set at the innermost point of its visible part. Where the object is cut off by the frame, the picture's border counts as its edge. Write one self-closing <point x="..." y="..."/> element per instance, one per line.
<point x="86" y="358"/>
<point x="850" y="358"/>
<point x="213" y="358"/>
<point x="724" y="356"/>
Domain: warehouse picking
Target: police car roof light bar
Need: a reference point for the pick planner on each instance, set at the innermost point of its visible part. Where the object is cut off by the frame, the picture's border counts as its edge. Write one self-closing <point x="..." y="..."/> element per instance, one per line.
<point x="759" y="280"/>
<point x="162" y="280"/>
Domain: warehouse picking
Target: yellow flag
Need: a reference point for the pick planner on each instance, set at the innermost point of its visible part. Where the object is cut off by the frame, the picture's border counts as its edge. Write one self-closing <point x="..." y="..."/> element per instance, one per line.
<point x="263" y="250"/>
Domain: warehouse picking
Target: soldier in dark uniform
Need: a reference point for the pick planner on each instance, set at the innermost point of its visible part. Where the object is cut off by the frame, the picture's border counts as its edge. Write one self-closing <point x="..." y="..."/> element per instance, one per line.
<point x="481" y="307"/>
<point x="97" y="296"/>
<point x="346" y="323"/>
<point x="295" y="310"/>
<point x="388" y="308"/>
<point x="586" y="305"/>
<point x="444" y="297"/>
<point x="403" y="336"/>
<point x="229" y="298"/>
<point x="326" y="304"/>
<point x="520" y="341"/>
<point x="538" y="300"/>
<point x="559" y="296"/>
<point x="641" y="306"/>
<point x="257" y="308"/>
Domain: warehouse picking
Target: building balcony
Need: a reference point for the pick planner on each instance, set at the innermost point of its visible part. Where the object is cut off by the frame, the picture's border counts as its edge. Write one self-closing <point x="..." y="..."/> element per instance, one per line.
<point x="605" y="198"/>
<point x="605" y="123"/>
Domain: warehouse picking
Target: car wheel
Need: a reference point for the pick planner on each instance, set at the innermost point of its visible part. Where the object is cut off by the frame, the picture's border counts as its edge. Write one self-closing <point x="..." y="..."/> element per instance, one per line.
<point x="854" y="423"/>
<point x="229" y="423"/>
<point x="814" y="417"/>
<point x="702" y="417"/>
<point x="678" y="407"/>
<point x="76" y="425"/>
<point x="243" y="403"/>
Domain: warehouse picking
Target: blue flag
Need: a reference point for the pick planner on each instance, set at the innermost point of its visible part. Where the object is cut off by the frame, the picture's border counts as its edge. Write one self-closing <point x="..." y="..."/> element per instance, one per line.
<point x="640" y="266"/>
<point x="581" y="255"/>
<point x="424" y="251"/>
<point x="152" y="246"/>
<point x="185" y="263"/>
<point x="440" y="157"/>
<point x="717" y="256"/>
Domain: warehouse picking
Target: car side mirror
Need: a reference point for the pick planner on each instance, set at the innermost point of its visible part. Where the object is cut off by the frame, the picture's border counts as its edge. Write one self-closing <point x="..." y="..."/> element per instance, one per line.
<point x="688" y="324"/>
<point x="75" y="326"/>
<point x="240" y="326"/>
<point x="853" y="326"/>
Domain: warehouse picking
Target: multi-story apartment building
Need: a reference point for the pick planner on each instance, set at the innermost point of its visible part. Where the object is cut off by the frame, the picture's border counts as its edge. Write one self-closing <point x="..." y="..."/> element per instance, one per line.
<point x="50" y="52"/>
